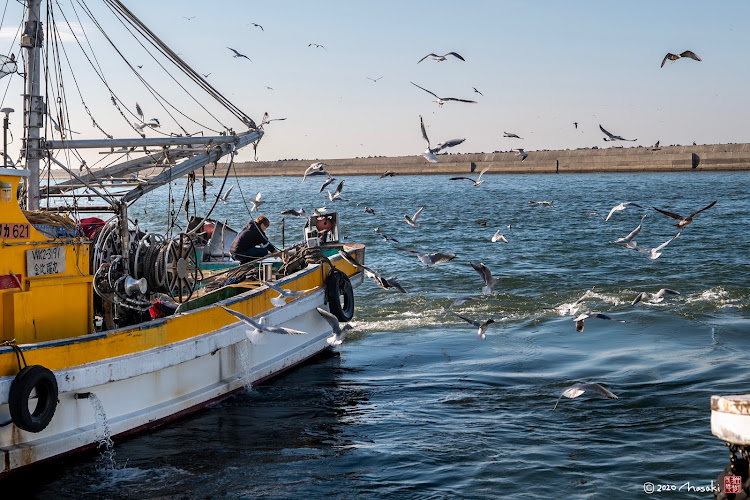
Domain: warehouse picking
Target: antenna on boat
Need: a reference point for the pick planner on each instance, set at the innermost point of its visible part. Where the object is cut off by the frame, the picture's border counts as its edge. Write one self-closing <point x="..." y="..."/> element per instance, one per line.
<point x="6" y="121"/>
<point x="31" y="40"/>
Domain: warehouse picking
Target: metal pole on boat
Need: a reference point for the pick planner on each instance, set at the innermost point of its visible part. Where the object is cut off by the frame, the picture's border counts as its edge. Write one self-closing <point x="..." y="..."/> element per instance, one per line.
<point x="6" y="123"/>
<point x="33" y="110"/>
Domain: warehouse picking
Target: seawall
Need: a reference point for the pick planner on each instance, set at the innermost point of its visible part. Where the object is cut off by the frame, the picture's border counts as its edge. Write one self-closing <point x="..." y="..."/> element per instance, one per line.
<point x="715" y="157"/>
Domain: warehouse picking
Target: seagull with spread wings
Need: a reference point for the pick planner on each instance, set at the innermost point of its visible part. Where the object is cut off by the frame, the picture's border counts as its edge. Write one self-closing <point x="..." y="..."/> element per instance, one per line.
<point x="486" y="275"/>
<point x="430" y="259"/>
<point x="259" y="327"/>
<point x="654" y="253"/>
<point x="237" y="54"/>
<point x="257" y="26"/>
<point x="477" y="182"/>
<point x="443" y="57"/>
<point x="412" y="221"/>
<point x="256" y="202"/>
<point x="430" y="152"/>
<point x="576" y="390"/>
<point x="612" y="137"/>
<point x="621" y="206"/>
<point x="315" y="169"/>
<point x="316" y="45"/>
<point x="511" y="135"/>
<point x="594" y="314"/>
<point x="629" y="240"/>
<point x="482" y="327"/>
<point x="673" y="57"/>
<point x="384" y="283"/>
<point x="653" y="298"/>
<point x="223" y="197"/>
<point x="684" y="221"/>
<point x="523" y="154"/>
<point x="374" y="79"/>
<point x="384" y="236"/>
<point x="336" y="328"/>
<point x="284" y="294"/>
<point x="443" y="100"/>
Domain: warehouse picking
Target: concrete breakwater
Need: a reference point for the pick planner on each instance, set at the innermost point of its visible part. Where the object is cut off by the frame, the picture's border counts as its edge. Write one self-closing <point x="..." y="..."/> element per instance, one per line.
<point x="715" y="157"/>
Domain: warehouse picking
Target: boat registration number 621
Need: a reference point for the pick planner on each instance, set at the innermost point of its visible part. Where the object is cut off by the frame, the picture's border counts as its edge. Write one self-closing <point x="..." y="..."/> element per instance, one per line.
<point x="10" y="231"/>
<point x="41" y="261"/>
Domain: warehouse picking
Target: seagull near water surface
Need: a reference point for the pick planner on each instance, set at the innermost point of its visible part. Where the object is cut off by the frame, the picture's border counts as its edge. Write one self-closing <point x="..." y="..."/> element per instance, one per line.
<point x="430" y="259"/>
<point x="576" y="390"/>
<point x="482" y="327"/>
<point x="653" y="298"/>
<point x="384" y="283"/>
<point x="684" y="221"/>
<point x="259" y="327"/>
<point x="443" y="100"/>
<point x="621" y="206"/>
<point x="593" y="314"/>
<point x="412" y="221"/>
<point x="486" y="275"/>
<point x="476" y="182"/>
<point x="336" y="328"/>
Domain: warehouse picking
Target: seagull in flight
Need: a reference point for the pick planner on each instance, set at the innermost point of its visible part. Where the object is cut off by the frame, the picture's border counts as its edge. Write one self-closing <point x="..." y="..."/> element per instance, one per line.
<point x="189" y="18"/>
<point x="430" y="259"/>
<point x="579" y="319"/>
<point x="576" y="390"/>
<point x="629" y="240"/>
<point x="499" y="237"/>
<point x="256" y="202"/>
<point x="315" y="167"/>
<point x="459" y="301"/>
<point x="259" y="328"/>
<point x="336" y="196"/>
<point x="374" y="79"/>
<point x="512" y="135"/>
<point x="327" y="182"/>
<point x="338" y="331"/>
<point x="294" y="213"/>
<point x="154" y="123"/>
<point x="412" y="221"/>
<point x="237" y="54"/>
<point x="482" y="327"/>
<point x="575" y="124"/>
<point x="206" y="75"/>
<point x="139" y="111"/>
<point x="387" y="173"/>
<point x="257" y="26"/>
<point x="223" y="197"/>
<point x="654" y="298"/>
<point x="57" y="126"/>
<point x="477" y="182"/>
<point x="486" y="275"/>
<point x="443" y="100"/>
<point x="284" y="294"/>
<point x="621" y="206"/>
<point x="443" y="57"/>
<point x="430" y="152"/>
<point x="572" y="309"/>
<point x="316" y="45"/>
<point x="684" y="221"/>
<point x="613" y="137"/>
<point x="384" y="283"/>
<point x="523" y="154"/>
<point x="654" y="253"/>
<point x="384" y="236"/>
<point x="267" y="119"/>
<point x="673" y="57"/>
<point x="543" y="203"/>
<point x="478" y="92"/>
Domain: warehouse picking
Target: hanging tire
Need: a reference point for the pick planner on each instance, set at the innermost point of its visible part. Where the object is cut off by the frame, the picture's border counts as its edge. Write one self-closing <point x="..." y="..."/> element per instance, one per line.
<point x="340" y="296"/>
<point x="30" y="378"/>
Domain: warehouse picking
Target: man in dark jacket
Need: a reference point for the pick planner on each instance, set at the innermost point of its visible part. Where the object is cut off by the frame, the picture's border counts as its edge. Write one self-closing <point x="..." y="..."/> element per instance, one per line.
<point x="252" y="242"/>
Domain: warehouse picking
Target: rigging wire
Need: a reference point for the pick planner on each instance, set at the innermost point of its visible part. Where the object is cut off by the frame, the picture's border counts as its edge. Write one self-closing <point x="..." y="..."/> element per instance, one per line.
<point x="167" y="72"/>
<point x="186" y="68"/>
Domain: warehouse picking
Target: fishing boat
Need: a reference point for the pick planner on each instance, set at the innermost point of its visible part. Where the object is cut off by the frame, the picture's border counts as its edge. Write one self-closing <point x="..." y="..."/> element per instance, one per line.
<point x="102" y="318"/>
<point x="730" y="422"/>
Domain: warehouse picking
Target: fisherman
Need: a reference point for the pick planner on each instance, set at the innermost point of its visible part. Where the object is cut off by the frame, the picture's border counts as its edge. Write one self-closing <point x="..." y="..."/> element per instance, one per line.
<point x="252" y="241"/>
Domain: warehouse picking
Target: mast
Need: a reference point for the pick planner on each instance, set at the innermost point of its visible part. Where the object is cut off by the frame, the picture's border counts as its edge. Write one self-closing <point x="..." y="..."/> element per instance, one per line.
<point x="33" y="110"/>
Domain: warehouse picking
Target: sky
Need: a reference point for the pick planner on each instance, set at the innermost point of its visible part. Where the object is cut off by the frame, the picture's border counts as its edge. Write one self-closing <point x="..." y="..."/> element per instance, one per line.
<point x="541" y="66"/>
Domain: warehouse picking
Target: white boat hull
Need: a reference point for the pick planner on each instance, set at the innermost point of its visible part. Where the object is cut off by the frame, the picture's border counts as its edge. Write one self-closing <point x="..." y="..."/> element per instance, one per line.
<point x="144" y="389"/>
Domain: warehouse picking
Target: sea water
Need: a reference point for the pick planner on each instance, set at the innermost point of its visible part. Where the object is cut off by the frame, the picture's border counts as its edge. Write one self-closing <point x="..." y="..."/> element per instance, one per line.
<point x="414" y="405"/>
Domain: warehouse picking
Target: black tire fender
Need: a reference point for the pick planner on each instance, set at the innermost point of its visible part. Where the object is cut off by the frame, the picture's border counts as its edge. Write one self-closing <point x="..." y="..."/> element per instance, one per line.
<point x="29" y="378"/>
<point x="338" y="286"/>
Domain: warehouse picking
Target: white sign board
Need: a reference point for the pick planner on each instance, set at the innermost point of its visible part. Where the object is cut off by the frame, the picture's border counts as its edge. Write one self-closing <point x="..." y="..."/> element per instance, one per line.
<point x="41" y="261"/>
